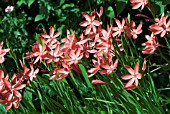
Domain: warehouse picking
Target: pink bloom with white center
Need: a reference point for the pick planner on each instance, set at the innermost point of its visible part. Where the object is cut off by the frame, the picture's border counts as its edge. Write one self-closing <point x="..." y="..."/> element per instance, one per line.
<point x="132" y="77"/>
<point x="90" y="23"/>
<point x="9" y="9"/>
<point x="120" y="27"/>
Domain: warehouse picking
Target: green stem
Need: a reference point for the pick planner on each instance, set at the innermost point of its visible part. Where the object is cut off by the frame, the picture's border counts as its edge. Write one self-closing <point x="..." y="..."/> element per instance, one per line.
<point x="163" y="56"/>
<point x="163" y="89"/>
<point x="89" y="5"/>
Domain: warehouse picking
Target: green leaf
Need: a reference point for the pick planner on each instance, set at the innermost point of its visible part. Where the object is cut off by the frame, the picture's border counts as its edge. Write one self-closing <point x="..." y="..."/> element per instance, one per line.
<point x="30" y="2"/>
<point x="20" y="2"/>
<point x="158" y="8"/>
<point x="85" y="75"/>
<point x="165" y="2"/>
<point x="39" y="17"/>
<point x="110" y="12"/>
<point x="58" y="12"/>
<point x="120" y="6"/>
<point x="2" y="109"/>
<point x="61" y="2"/>
<point x="61" y="19"/>
<point x="67" y="5"/>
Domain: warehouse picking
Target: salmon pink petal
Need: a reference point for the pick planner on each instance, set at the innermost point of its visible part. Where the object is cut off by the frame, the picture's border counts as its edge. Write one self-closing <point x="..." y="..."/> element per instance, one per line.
<point x="127" y="77"/>
<point x="168" y="23"/>
<point x="56" y="34"/>
<point x="144" y="65"/>
<point x="52" y="77"/>
<point x="16" y="104"/>
<point x="136" y="6"/>
<point x="130" y="83"/>
<point x="163" y="33"/>
<point x="98" y="82"/>
<point x="139" y="76"/>
<point x="8" y="106"/>
<point x="84" y="24"/>
<point x="118" y="23"/>
<point x="130" y="87"/>
<point x="130" y="70"/>
<point x="87" y="17"/>
<point x="101" y="12"/>
<point x="136" y="82"/>
<point x="51" y="31"/>
<point x="136" y="69"/>
<point x="139" y="31"/>
<point x="6" y="83"/>
<point x="96" y="23"/>
<point x="87" y="30"/>
<point x="6" y="50"/>
<point x="1" y="74"/>
<point x="115" y="33"/>
<point x="94" y="28"/>
<point x="2" y="59"/>
<point x="45" y="35"/>
<point x="20" y="87"/>
<point x="16" y="93"/>
<point x="115" y="64"/>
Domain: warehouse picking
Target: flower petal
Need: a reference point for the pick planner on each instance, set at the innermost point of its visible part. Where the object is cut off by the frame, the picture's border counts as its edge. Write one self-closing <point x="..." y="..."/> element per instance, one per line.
<point x="130" y="70"/>
<point x="127" y="77"/>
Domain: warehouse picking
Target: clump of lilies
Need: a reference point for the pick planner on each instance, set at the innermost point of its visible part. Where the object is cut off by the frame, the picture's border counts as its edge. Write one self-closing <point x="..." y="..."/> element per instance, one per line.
<point x="95" y="42"/>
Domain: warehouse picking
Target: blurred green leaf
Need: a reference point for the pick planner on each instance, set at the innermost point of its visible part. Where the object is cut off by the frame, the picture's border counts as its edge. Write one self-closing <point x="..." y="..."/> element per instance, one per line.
<point x="58" y="12"/>
<point x="158" y="8"/>
<point x="67" y="6"/>
<point x="30" y="2"/>
<point x="85" y="75"/>
<point x="39" y="17"/>
<point x="61" y="19"/>
<point x="20" y="2"/>
<point x="120" y="6"/>
<point x="110" y="12"/>
<point x="61" y="2"/>
<point x="165" y="2"/>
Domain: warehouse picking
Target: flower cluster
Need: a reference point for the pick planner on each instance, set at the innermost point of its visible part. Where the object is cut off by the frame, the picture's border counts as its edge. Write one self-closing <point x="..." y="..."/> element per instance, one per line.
<point x="160" y="27"/>
<point x="95" y="42"/>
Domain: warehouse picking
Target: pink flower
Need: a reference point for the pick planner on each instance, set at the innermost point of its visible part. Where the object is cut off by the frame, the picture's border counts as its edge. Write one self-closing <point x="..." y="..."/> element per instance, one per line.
<point x="161" y="27"/>
<point x="39" y="52"/>
<point x="28" y="74"/>
<point x="96" y="68"/>
<point x="3" y="52"/>
<point x="9" y="9"/>
<point x="132" y="30"/>
<point x="151" y="45"/>
<point x="132" y="77"/>
<point x="90" y="23"/>
<point x="74" y="56"/>
<point x="118" y="30"/>
<point x="51" y="35"/>
<point x="138" y="3"/>
<point x="10" y="94"/>
<point x="60" y="73"/>
<point x="109" y="67"/>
